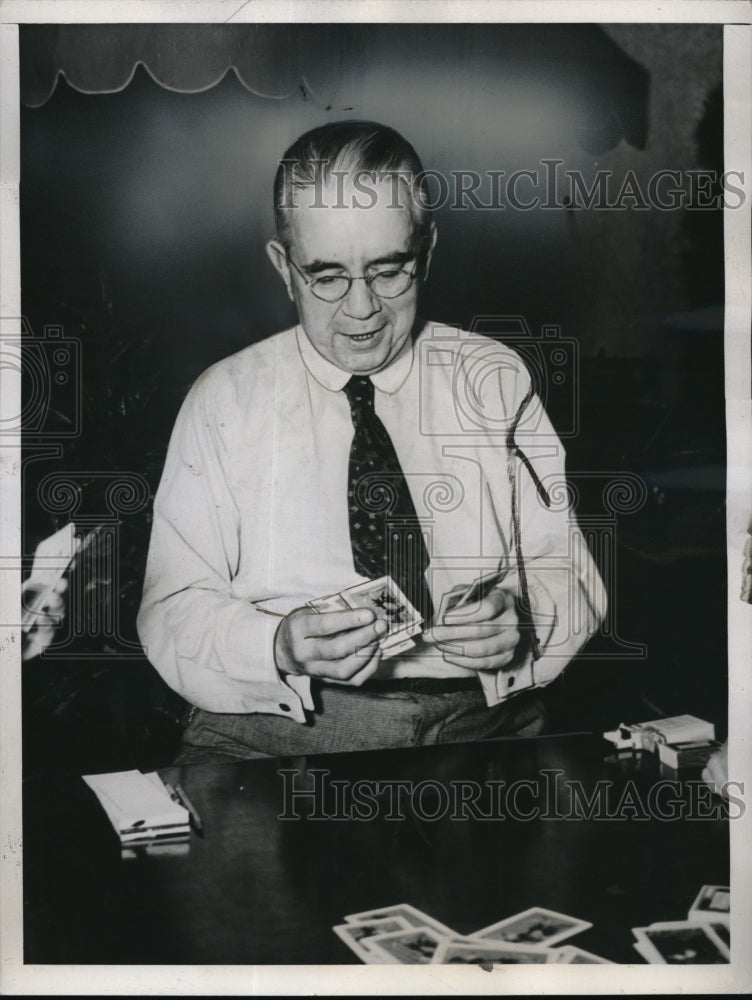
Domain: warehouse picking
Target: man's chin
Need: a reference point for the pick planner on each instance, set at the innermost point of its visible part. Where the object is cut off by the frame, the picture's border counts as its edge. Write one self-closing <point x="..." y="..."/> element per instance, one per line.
<point x="369" y="359"/>
<point x="366" y="362"/>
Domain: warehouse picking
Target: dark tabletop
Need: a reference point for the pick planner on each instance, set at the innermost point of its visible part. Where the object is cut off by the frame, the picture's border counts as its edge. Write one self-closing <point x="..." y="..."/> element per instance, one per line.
<point x="263" y="890"/>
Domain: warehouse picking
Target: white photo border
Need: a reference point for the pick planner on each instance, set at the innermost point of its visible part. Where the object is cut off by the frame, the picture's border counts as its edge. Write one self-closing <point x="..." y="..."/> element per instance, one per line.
<point x="17" y="978"/>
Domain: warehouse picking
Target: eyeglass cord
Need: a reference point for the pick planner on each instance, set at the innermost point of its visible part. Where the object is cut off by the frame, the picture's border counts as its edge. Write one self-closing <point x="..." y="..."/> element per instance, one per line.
<point x="514" y="451"/>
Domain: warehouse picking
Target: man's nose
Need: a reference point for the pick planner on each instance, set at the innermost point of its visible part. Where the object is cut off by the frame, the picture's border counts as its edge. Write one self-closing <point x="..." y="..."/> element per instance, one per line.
<point x="360" y="302"/>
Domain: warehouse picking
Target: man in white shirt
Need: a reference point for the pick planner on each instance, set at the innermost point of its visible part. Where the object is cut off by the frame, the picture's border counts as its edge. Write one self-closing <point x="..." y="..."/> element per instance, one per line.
<point x="253" y="517"/>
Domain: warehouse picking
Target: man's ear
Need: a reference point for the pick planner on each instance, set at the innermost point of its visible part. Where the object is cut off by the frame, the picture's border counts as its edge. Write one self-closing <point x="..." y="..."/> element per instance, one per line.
<point x="429" y="252"/>
<point x="278" y="256"/>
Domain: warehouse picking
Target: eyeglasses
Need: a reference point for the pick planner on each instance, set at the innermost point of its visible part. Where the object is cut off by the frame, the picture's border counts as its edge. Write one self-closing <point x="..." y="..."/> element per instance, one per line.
<point x="387" y="283"/>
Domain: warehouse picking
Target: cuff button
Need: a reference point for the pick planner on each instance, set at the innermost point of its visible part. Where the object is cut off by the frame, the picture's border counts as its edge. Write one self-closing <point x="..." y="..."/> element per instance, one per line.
<point x="284" y="707"/>
<point x="510" y="682"/>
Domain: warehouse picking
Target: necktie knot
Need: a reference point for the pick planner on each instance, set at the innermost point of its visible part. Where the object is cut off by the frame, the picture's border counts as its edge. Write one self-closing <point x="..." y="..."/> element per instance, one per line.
<point x="359" y="391"/>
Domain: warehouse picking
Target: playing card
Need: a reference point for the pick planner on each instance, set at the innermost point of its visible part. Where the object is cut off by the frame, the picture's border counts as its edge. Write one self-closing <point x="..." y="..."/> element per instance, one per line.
<point x="397" y="649"/>
<point x="415" y="946"/>
<point x="476" y="592"/>
<point x="640" y="949"/>
<point x="388" y="603"/>
<point x="357" y="935"/>
<point x="480" y="952"/>
<point x="414" y="917"/>
<point x="534" y="926"/>
<point x="722" y="931"/>
<point x="334" y="602"/>
<point x="52" y="558"/>
<point x="712" y="904"/>
<point x="449" y="601"/>
<point x="570" y="954"/>
<point x="681" y="943"/>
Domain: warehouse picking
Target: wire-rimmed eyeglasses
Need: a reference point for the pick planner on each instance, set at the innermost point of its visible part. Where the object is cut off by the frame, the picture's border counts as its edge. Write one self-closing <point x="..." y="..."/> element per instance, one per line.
<point x="386" y="282"/>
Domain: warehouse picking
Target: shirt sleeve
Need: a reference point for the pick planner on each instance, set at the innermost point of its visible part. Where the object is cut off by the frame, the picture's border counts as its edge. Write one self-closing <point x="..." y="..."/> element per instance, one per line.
<point x="567" y="599"/>
<point x="211" y="646"/>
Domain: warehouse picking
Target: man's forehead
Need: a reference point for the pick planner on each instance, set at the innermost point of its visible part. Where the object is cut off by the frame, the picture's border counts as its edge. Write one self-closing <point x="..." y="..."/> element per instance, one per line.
<point x="338" y="218"/>
<point x="365" y="189"/>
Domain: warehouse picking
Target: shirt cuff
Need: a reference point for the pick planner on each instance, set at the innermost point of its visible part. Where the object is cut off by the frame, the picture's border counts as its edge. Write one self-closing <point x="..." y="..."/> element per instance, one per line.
<point x="499" y="685"/>
<point x="245" y="647"/>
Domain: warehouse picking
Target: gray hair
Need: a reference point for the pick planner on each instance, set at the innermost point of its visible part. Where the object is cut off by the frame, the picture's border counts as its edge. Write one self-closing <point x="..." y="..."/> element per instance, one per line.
<point x="354" y="148"/>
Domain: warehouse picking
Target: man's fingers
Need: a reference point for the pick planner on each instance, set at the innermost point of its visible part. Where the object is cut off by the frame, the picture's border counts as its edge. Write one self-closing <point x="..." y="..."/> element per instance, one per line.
<point x="490" y="607"/>
<point x="478" y="630"/>
<point x="477" y="649"/>
<point x="54" y="605"/>
<point x="334" y="644"/>
<point x="493" y="662"/>
<point x="344" y="644"/>
<point x="370" y="668"/>
<point x="331" y="622"/>
<point x="345" y="669"/>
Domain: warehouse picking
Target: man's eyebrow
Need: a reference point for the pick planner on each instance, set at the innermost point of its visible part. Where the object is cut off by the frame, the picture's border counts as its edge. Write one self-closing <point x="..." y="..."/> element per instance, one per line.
<point x="398" y="257"/>
<point x="322" y="265"/>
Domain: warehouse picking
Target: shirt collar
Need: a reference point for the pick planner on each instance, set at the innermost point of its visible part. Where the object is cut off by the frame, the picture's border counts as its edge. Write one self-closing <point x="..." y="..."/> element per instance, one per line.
<point x="388" y="380"/>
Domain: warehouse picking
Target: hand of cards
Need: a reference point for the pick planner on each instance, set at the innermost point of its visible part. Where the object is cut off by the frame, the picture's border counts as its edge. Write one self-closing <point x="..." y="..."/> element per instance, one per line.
<point x="387" y="602"/>
<point x="468" y="596"/>
<point x="403" y="935"/>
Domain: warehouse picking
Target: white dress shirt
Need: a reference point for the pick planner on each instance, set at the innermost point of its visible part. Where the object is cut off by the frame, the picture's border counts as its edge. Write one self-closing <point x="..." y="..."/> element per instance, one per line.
<point x="251" y="512"/>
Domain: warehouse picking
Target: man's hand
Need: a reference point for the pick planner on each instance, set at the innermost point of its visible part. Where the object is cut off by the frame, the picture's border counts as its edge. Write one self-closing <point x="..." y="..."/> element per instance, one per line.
<point x="50" y="614"/>
<point x="482" y="636"/>
<point x="339" y="646"/>
<point x="716" y="772"/>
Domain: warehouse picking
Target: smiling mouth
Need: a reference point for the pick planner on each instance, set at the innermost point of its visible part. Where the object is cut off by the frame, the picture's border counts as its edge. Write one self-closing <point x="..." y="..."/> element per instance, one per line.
<point x="363" y="338"/>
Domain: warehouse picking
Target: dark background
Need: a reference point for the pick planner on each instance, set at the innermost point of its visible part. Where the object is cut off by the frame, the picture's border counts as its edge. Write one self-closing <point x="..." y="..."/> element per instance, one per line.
<point x="144" y="214"/>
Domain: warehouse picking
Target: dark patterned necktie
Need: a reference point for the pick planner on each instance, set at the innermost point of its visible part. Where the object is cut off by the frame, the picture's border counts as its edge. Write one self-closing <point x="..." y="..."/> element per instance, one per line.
<point x="385" y="531"/>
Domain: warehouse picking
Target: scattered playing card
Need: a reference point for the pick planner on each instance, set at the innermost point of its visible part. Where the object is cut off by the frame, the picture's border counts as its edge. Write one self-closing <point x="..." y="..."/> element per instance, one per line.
<point x="416" y="946"/>
<point x="681" y="943"/>
<point x="402" y="934"/>
<point x="723" y="932"/>
<point x="641" y="950"/>
<point x="480" y="952"/>
<point x="413" y="916"/>
<point x="357" y="935"/>
<point x="570" y="954"/>
<point x="712" y="904"/>
<point x="534" y="926"/>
